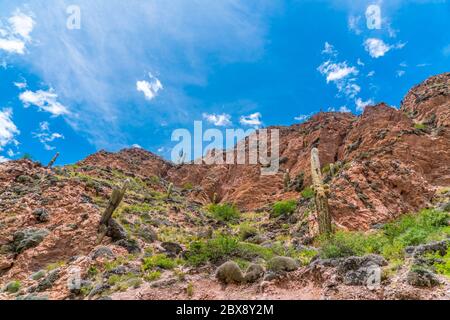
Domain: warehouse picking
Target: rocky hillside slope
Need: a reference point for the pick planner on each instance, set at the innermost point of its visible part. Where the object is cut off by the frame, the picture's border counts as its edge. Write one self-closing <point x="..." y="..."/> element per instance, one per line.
<point x="386" y="163"/>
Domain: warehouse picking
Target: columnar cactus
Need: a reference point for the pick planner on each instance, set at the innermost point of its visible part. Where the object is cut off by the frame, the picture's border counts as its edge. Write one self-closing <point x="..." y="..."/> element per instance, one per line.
<point x="321" y="195"/>
<point x="52" y="162"/>
<point x="169" y="190"/>
<point x="286" y="180"/>
<point x="114" y="202"/>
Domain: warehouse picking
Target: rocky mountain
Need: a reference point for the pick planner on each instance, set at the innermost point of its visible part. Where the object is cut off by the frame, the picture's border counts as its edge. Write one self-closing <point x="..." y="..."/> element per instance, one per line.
<point x="166" y="239"/>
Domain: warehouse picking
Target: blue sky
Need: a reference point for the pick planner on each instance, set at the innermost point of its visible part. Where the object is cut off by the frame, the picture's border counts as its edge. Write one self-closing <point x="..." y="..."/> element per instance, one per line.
<point x="134" y="71"/>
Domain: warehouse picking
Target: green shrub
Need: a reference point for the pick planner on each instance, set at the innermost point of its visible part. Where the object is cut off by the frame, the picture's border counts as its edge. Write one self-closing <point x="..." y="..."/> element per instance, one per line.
<point x="158" y="261"/>
<point x="411" y="230"/>
<point x="443" y="266"/>
<point x="152" y="276"/>
<point x="224" y="247"/>
<point x="246" y="230"/>
<point x="308" y="193"/>
<point x="188" y="186"/>
<point x="224" y="212"/>
<point x="420" y="126"/>
<point x="27" y="156"/>
<point x="284" y="208"/>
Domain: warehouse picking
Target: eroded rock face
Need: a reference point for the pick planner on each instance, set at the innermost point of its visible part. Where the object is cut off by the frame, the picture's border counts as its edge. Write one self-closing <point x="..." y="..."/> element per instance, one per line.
<point x="386" y="164"/>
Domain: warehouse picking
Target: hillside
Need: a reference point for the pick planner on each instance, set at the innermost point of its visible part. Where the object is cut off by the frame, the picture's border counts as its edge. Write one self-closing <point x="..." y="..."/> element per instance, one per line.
<point x="386" y="163"/>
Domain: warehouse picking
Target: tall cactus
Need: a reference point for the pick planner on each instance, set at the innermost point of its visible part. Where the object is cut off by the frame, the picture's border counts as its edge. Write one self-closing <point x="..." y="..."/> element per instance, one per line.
<point x="321" y="195"/>
<point x="286" y="180"/>
<point x="169" y="190"/>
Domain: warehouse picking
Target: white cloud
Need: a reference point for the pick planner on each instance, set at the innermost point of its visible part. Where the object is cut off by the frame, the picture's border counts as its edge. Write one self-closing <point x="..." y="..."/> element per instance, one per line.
<point x="252" y="120"/>
<point x="21" y="85"/>
<point x="344" y="109"/>
<point x="371" y="74"/>
<point x="302" y="117"/>
<point x="342" y="75"/>
<point x="376" y="47"/>
<point x="361" y="105"/>
<point x="3" y="159"/>
<point x="45" y="101"/>
<point x="16" y="35"/>
<point x="360" y="63"/>
<point x="329" y="49"/>
<point x="45" y="136"/>
<point x="149" y="88"/>
<point x="95" y="73"/>
<point x="22" y="24"/>
<point x="12" y="46"/>
<point x="336" y="71"/>
<point x="401" y="73"/>
<point x="423" y="65"/>
<point x="219" y="120"/>
<point x="8" y="129"/>
<point x="136" y="146"/>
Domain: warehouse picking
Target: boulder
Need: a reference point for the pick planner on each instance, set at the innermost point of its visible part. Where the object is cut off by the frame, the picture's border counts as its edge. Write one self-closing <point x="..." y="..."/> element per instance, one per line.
<point x="26" y="239"/>
<point x="422" y="278"/>
<point x="41" y="215"/>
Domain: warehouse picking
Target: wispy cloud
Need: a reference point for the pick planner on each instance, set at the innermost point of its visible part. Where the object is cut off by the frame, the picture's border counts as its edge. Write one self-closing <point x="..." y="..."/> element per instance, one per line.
<point x="8" y="130"/>
<point x="15" y="36"/>
<point x="219" y="120"/>
<point x="361" y="105"/>
<point x="252" y="120"/>
<point x="342" y="74"/>
<point x="118" y="40"/>
<point x="45" y="101"/>
<point x="45" y="136"/>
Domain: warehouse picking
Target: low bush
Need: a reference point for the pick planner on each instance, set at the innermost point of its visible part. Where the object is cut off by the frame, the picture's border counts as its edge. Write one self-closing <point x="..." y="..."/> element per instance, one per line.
<point x="224" y="212"/>
<point x="308" y="193"/>
<point x="391" y="241"/>
<point x="284" y="208"/>
<point x="159" y="261"/>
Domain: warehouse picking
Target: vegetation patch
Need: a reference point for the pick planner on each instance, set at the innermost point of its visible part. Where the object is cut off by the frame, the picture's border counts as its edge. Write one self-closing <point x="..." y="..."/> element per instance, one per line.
<point x="391" y="241"/>
<point x="224" y="212"/>
<point x="308" y="193"/>
<point x="284" y="208"/>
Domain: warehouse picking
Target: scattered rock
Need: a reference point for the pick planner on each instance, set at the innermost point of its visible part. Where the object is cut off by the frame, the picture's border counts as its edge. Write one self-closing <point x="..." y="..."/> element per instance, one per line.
<point x="433" y="247"/>
<point x="102" y="252"/>
<point x="130" y="244"/>
<point x="172" y="249"/>
<point x="115" y="231"/>
<point x="98" y="289"/>
<point x="5" y="263"/>
<point x="41" y="215"/>
<point x="283" y="264"/>
<point x="422" y="278"/>
<point x="48" y="282"/>
<point x="30" y="238"/>
<point x="230" y="272"/>
<point x="148" y="234"/>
